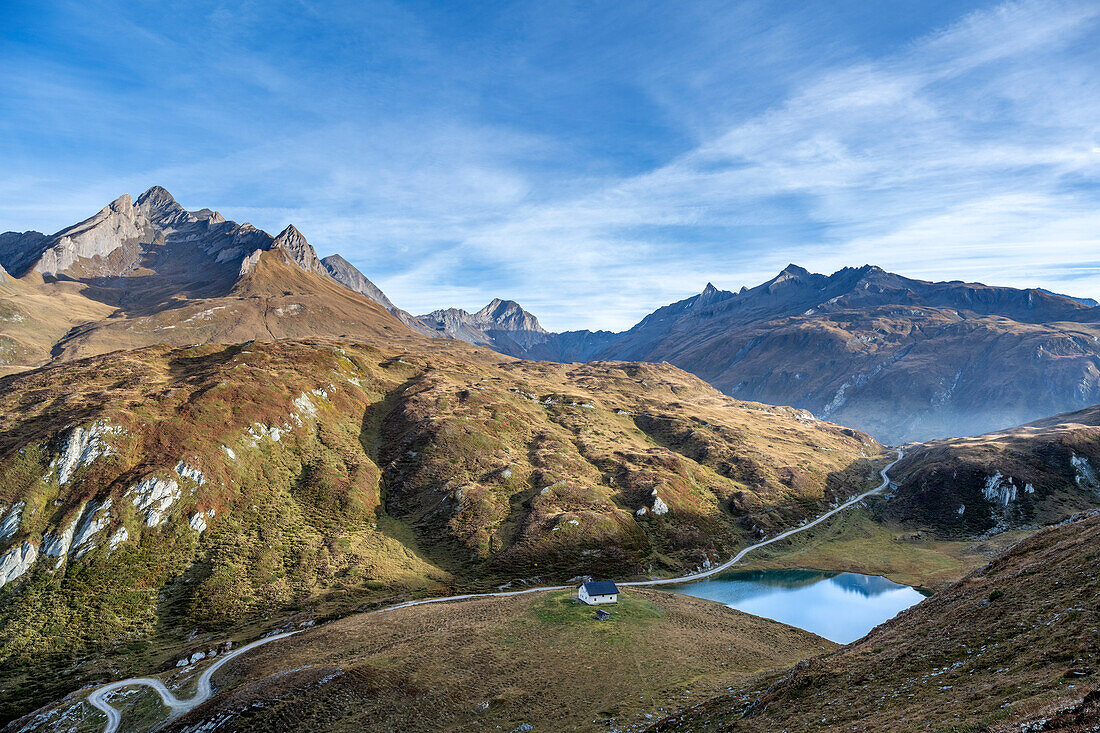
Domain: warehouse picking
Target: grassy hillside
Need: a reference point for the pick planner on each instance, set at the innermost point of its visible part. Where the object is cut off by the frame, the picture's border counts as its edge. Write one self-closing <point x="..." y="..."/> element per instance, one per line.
<point x="1030" y="475"/>
<point x="856" y="542"/>
<point x="1010" y="646"/>
<point x="487" y="664"/>
<point x="33" y="317"/>
<point x="275" y="300"/>
<point x="168" y="498"/>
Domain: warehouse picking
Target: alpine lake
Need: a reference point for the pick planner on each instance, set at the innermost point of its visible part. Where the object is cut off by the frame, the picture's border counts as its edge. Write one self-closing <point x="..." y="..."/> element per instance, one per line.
<point x="841" y="607"/>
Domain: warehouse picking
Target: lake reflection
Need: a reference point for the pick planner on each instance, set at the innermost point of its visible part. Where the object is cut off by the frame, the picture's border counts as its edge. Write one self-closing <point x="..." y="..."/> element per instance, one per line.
<point x="839" y="606"/>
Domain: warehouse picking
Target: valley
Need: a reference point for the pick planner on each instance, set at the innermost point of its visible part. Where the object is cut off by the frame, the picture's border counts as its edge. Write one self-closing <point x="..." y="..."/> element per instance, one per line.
<point x="1012" y="646"/>
<point x="209" y="435"/>
<point x="557" y="603"/>
<point x="167" y="496"/>
<point x="507" y="662"/>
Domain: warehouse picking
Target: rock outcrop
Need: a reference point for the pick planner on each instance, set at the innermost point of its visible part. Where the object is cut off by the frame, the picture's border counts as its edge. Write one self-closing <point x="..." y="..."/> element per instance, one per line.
<point x="17" y="561"/>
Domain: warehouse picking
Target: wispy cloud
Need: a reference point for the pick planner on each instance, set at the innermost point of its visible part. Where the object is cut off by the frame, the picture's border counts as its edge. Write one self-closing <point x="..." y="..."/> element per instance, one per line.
<point x="592" y="165"/>
<point x="966" y="155"/>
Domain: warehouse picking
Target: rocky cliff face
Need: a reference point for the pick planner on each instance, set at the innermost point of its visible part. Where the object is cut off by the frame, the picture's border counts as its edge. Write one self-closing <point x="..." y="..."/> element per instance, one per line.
<point x="300" y="252"/>
<point x="158" y="245"/>
<point x="344" y="272"/>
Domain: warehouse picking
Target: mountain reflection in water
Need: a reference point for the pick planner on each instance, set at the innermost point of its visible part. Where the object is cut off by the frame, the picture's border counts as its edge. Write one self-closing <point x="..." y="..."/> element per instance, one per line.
<point x="839" y="606"/>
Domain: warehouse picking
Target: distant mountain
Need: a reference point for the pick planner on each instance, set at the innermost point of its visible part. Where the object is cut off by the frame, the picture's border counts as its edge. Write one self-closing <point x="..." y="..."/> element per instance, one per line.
<point x="502" y="325"/>
<point x="505" y="326"/>
<point x="1091" y="302"/>
<point x="901" y="358"/>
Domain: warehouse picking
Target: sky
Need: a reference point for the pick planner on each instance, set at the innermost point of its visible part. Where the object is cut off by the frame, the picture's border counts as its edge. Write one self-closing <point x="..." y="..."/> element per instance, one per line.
<point x="590" y="160"/>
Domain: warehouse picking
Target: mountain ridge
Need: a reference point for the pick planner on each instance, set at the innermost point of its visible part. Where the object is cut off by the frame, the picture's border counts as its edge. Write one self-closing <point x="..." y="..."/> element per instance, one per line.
<point x="902" y="358"/>
<point x="147" y="270"/>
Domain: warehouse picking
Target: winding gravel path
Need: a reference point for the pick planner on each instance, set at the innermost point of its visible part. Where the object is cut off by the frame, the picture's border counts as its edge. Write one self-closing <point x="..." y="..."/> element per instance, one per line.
<point x="204" y="690"/>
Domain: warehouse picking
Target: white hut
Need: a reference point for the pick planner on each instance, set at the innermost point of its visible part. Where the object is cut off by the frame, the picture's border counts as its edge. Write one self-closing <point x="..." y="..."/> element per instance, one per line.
<point x="595" y="592"/>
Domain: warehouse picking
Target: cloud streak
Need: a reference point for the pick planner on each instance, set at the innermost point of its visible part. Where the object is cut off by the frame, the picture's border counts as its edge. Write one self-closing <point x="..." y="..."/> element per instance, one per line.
<point x="596" y="165"/>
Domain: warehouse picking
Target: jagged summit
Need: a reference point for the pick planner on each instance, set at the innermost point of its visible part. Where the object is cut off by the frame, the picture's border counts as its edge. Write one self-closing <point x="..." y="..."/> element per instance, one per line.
<point x="793" y="270"/>
<point x="150" y="258"/>
<point x="301" y="252"/>
<point x="291" y="234"/>
<point x="502" y="324"/>
<point x="792" y="273"/>
<point x="156" y="197"/>
<point x="507" y="315"/>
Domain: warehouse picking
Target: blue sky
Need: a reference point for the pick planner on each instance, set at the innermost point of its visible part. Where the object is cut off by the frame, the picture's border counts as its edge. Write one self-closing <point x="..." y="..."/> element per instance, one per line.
<point x="592" y="160"/>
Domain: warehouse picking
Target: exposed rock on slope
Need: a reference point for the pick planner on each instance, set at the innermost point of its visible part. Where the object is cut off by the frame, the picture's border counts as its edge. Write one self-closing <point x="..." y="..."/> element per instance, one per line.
<point x="332" y="474"/>
<point x="1011" y="647"/>
<point x="1033" y="474"/>
<point x="344" y="272"/>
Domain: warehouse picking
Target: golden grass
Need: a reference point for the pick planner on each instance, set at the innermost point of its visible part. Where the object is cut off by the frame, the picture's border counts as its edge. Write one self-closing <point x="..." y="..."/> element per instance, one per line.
<point x="540" y="659"/>
<point x="854" y="542"/>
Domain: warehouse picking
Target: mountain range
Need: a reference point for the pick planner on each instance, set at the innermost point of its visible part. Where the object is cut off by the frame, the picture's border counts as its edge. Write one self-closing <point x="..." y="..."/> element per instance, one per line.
<point x="903" y="359"/>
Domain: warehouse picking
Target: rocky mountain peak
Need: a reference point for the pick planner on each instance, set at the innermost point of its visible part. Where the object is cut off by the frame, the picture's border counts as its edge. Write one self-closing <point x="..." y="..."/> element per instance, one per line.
<point x="498" y="308"/>
<point x="122" y="205"/>
<point x="790" y="274"/>
<point x="793" y="271"/>
<point x="347" y="274"/>
<point x="156" y="198"/>
<point x="710" y="294"/>
<point x="506" y="315"/>
<point x="301" y="252"/>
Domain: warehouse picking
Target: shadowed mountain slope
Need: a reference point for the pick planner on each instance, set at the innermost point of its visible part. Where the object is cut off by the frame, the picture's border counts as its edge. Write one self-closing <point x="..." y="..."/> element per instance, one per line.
<point x="1033" y="474"/>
